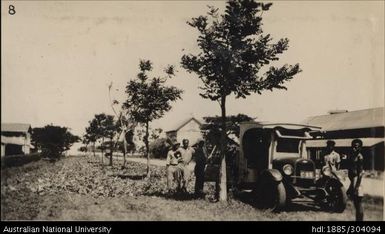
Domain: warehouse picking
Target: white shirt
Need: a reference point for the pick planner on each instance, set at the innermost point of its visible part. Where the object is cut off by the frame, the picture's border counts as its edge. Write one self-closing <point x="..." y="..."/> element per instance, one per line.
<point x="186" y="154"/>
<point x="332" y="159"/>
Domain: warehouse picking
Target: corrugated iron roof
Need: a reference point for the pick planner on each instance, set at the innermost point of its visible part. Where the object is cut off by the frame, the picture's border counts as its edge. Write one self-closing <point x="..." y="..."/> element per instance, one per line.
<point x="15" y="127"/>
<point x="321" y="143"/>
<point x="271" y="125"/>
<point x="368" y="118"/>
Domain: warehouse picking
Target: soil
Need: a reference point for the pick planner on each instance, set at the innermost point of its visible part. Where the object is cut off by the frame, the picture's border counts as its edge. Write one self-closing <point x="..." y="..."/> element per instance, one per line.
<point x="80" y="188"/>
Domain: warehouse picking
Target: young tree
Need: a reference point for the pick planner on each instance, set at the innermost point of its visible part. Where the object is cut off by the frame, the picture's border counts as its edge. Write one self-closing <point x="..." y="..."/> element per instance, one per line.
<point x="85" y="142"/>
<point x="212" y="129"/>
<point x="234" y="49"/>
<point x="130" y="146"/>
<point x="129" y="138"/>
<point x="108" y="129"/>
<point x="91" y="135"/>
<point x="126" y="126"/>
<point x="149" y="99"/>
<point x="102" y="126"/>
<point x="53" y="140"/>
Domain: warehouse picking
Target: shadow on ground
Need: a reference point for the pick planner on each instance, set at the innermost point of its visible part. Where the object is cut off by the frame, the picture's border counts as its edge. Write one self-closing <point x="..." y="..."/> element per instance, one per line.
<point x="131" y="177"/>
<point x="174" y="195"/>
<point x="293" y="206"/>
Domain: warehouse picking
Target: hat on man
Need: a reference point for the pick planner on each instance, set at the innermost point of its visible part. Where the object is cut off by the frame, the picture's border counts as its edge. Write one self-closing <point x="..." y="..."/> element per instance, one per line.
<point x="200" y="140"/>
<point x="173" y="142"/>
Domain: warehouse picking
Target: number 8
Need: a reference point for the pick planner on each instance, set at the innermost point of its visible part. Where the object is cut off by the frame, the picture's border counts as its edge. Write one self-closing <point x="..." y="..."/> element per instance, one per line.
<point x="11" y="10"/>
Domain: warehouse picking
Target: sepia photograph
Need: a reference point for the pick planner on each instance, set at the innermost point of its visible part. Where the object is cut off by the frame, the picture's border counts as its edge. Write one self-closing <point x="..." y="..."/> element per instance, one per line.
<point x="230" y="110"/>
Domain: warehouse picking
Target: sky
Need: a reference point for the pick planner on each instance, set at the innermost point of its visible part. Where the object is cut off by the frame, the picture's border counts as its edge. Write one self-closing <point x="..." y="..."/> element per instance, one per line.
<point x="59" y="57"/>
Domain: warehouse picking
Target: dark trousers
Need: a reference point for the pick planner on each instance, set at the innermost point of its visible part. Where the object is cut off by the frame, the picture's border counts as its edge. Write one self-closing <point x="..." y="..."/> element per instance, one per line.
<point x="199" y="177"/>
<point x="357" y="201"/>
<point x="356" y="196"/>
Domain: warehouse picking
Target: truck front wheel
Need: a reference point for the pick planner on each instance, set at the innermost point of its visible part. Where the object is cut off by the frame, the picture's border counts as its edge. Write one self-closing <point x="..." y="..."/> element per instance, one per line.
<point x="336" y="200"/>
<point x="271" y="195"/>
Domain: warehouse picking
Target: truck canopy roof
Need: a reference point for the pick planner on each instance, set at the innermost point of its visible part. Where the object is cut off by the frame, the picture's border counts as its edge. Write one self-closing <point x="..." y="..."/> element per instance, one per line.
<point x="271" y="125"/>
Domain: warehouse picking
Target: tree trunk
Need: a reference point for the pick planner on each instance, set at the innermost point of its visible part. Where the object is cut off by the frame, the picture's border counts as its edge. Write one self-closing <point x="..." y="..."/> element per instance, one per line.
<point x="147" y="151"/>
<point x="221" y="185"/>
<point x="111" y="150"/>
<point x="116" y="146"/>
<point x="86" y="151"/>
<point x="93" y="149"/>
<point x="102" y="148"/>
<point x="124" y="147"/>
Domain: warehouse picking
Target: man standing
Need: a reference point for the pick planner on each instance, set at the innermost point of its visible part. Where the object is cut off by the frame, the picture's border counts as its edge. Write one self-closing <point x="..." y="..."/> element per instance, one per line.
<point x="332" y="158"/>
<point x="173" y="168"/>
<point x="200" y="160"/>
<point x="187" y="153"/>
<point x="355" y="173"/>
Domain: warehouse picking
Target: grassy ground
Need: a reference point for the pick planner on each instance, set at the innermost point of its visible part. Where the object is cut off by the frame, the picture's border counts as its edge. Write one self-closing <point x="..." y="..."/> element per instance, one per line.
<point x="79" y="188"/>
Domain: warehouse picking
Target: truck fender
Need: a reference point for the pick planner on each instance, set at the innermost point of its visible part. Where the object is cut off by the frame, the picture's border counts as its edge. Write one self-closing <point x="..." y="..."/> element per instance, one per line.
<point x="272" y="174"/>
<point x="329" y="180"/>
<point x="335" y="182"/>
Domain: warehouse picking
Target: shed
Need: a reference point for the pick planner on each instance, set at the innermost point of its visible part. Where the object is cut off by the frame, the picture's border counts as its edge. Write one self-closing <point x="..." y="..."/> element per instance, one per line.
<point x="15" y="138"/>
<point x="186" y="129"/>
<point x="343" y="127"/>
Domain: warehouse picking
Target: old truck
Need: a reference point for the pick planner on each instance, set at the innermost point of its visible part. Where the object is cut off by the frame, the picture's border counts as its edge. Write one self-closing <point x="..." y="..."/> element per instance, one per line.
<point x="272" y="162"/>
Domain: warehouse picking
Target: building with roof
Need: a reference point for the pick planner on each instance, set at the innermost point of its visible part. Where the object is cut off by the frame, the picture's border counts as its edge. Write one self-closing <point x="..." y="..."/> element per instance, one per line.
<point x="343" y="127"/>
<point x="15" y="139"/>
<point x="186" y="129"/>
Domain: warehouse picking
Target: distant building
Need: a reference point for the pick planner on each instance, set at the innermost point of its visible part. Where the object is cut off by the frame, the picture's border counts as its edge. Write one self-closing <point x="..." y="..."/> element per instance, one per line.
<point x="343" y="127"/>
<point x="15" y="139"/>
<point x="186" y="129"/>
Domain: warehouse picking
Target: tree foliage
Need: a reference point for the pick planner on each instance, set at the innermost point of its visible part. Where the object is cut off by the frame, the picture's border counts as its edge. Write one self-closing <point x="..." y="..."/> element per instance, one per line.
<point x="213" y="127"/>
<point x="102" y="127"/>
<point x="160" y="147"/>
<point x="53" y="140"/>
<point x="234" y="48"/>
<point x="92" y="133"/>
<point x="233" y="51"/>
<point x="149" y="98"/>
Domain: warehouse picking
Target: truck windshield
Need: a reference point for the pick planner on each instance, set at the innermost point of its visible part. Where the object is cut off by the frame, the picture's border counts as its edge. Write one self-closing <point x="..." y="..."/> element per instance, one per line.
<point x="286" y="145"/>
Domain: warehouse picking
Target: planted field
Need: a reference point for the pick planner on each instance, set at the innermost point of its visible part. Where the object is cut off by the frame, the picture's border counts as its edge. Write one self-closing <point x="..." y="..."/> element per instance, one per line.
<point x="79" y="188"/>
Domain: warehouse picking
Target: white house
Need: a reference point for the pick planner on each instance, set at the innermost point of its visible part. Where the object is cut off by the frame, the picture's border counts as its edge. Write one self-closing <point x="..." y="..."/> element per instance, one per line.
<point x="186" y="129"/>
<point x="15" y="138"/>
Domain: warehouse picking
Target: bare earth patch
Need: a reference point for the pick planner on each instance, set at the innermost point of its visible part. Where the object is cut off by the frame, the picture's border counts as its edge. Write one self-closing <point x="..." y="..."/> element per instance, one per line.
<point x="79" y="188"/>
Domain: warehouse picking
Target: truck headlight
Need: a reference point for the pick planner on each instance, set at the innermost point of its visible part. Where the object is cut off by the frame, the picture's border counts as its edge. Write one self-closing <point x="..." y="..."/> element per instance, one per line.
<point x="288" y="169"/>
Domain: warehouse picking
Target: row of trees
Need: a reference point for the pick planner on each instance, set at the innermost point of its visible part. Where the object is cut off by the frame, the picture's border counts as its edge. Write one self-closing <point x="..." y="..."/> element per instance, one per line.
<point x="110" y="133"/>
<point x="102" y="127"/>
<point x="233" y="54"/>
<point x="148" y="99"/>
